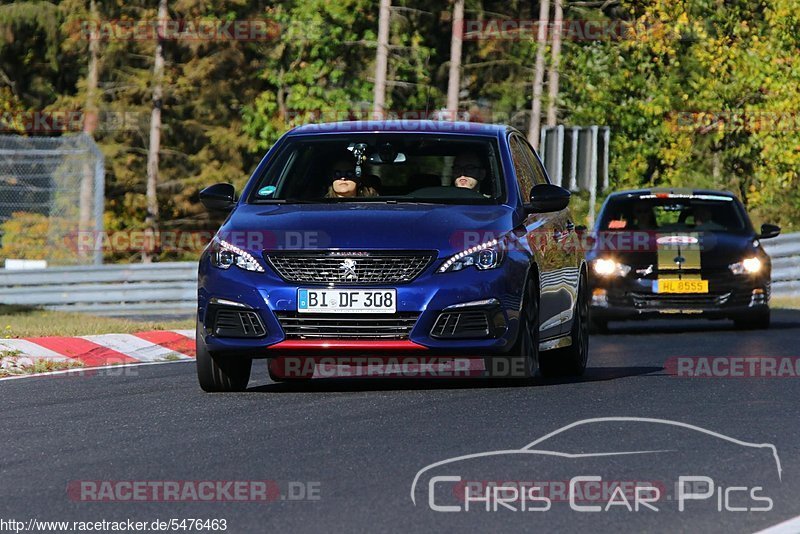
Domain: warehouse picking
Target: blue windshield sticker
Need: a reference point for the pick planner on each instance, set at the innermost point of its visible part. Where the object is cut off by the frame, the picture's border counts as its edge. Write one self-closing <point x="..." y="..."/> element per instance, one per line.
<point x="266" y="191"/>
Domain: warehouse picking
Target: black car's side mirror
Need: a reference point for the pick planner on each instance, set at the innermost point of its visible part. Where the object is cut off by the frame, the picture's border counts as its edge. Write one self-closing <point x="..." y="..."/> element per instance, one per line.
<point x="769" y="230"/>
<point x="218" y="197"/>
<point x="546" y="198"/>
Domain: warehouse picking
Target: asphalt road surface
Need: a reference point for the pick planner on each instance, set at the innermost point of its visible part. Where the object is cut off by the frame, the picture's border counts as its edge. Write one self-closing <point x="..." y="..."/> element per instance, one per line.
<point x="342" y="454"/>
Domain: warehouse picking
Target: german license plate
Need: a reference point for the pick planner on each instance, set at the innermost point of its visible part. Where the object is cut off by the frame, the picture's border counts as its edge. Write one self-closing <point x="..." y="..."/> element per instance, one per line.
<point x="347" y="300"/>
<point x="680" y="286"/>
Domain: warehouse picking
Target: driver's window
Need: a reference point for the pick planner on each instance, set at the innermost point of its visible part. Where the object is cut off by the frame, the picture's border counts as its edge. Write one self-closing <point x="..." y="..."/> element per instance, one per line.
<point x="539" y="174"/>
<point x="522" y="168"/>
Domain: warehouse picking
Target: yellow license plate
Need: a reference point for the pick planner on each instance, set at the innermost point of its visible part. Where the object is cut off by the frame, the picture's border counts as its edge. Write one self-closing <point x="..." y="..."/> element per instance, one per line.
<point x="681" y="286"/>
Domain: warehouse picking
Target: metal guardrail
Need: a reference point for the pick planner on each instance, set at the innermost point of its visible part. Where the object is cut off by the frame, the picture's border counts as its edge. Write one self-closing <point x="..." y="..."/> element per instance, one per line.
<point x="118" y="290"/>
<point x="171" y="288"/>
<point x="785" y="253"/>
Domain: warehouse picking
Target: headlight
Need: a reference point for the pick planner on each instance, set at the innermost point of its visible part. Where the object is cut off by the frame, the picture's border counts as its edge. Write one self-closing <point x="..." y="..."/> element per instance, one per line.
<point x="223" y="255"/>
<point x="746" y="266"/>
<point x="606" y="267"/>
<point x="484" y="256"/>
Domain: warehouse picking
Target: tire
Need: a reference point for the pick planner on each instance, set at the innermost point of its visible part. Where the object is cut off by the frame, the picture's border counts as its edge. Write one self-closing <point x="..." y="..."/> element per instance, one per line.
<point x="753" y="321"/>
<point x="522" y="362"/>
<point x="572" y="360"/>
<point x="219" y="374"/>
<point x="277" y="374"/>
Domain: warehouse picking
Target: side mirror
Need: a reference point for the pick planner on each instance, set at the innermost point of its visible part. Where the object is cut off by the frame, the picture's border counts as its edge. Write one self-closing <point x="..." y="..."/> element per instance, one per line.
<point x="218" y="197"/>
<point x="769" y="230"/>
<point x="546" y="198"/>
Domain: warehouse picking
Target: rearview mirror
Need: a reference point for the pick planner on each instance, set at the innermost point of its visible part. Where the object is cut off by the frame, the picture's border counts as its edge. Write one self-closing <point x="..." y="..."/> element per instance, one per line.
<point x="218" y="197"/>
<point x="769" y="230"/>
<point x="546" y="198"/>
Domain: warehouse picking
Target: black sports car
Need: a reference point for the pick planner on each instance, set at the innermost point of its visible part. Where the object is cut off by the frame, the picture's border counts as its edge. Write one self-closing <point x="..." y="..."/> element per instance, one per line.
<point x="670" y="252"/>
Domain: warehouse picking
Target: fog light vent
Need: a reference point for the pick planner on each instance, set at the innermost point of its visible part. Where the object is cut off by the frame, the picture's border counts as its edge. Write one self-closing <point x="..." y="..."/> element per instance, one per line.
<point x="238" y="323"/>
<point x="461" y="324"/>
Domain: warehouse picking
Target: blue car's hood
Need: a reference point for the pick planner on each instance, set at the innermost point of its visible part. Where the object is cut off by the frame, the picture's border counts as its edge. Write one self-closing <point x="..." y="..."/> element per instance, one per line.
<point x="446" y="228"/>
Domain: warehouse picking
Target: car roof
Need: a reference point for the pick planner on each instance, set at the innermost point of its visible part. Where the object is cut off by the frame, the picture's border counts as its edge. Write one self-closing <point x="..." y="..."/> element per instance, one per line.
<point x="677" y="191"/>
<point x="402" y="126"/>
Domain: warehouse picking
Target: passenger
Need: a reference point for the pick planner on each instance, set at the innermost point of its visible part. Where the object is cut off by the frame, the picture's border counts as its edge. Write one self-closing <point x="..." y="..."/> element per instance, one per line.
<point x="643" y="216"/>
<point x="468" y="171"/>
<point x="345" y="183"/>
<point x="704" y="219"/>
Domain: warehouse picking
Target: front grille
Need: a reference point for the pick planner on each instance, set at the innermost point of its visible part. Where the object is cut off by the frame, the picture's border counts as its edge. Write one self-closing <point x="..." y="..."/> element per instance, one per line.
<point x="357" y="268"/>
<point x="355" y="326"/>
<point x="238" y="323"/>
<point x="677" y="301"/>
<point x="461" y="324"/>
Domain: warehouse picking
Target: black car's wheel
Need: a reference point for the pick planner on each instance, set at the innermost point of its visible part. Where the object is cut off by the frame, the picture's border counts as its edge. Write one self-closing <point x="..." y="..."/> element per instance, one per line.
<point x="277" y="369"/>
<point x="218" y="374"/>
<point x="522" y="362"/>
<point x="571" y="361"/>
<point x="753" y="321"/>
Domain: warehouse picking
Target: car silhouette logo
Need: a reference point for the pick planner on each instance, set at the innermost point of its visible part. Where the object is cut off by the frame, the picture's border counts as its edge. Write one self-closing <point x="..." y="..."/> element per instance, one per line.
<point x="348" y="268"/>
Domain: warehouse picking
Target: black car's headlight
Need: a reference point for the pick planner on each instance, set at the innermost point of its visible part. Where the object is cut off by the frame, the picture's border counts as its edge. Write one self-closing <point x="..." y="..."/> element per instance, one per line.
<point x="223" y="255"/>
<point x="610" y="268"/>
<point x="485" y="256"/>
<point x="746" y="266"/>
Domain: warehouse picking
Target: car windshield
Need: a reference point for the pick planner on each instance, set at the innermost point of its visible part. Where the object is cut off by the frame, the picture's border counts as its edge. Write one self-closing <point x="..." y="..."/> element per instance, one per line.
<point x="696" y="213"/>
<point x="383" y="167"/>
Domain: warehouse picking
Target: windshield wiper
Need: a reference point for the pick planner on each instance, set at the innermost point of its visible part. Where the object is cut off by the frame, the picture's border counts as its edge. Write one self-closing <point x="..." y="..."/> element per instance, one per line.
<point x="289" y="201"/>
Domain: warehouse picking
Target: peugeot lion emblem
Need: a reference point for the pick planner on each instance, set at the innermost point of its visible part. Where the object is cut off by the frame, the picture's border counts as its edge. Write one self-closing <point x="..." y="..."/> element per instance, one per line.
<point x="348" y="268"/>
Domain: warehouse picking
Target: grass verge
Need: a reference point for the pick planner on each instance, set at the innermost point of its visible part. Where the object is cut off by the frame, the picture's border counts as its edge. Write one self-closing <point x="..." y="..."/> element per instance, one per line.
<point x="10" y="365"/>
<point x="22" y="321"/>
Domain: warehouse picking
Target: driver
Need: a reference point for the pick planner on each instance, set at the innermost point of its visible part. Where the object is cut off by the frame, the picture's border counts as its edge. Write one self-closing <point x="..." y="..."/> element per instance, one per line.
<point x="345" y="183"/>
<point x="644" y="217"/>
<point x="468" y="171"/>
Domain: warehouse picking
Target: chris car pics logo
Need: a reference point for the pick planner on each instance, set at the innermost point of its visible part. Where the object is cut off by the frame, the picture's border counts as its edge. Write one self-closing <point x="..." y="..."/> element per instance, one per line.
<point x="450" y="485"/>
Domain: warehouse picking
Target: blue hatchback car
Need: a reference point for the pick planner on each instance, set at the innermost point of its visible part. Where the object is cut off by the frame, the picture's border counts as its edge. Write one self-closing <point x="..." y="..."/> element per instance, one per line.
<point x="393" y="238"/>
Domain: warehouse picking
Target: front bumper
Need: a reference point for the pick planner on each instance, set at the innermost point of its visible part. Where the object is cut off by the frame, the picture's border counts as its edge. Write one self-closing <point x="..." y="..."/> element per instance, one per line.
<point x="425" y="299"/>
<point x="629" y="297"/>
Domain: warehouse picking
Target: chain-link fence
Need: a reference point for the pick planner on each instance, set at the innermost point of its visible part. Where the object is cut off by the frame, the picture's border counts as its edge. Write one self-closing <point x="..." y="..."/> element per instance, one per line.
<point x="51" y="194"/>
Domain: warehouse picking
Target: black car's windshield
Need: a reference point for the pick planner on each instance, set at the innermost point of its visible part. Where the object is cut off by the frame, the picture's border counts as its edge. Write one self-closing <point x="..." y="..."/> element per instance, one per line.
<point x="383" y="167"/>
<point x="690" y="213"/>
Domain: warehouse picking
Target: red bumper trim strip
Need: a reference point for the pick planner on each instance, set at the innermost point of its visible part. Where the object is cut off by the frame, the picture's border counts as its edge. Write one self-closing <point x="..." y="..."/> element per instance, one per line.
<point x="346" y="344"/>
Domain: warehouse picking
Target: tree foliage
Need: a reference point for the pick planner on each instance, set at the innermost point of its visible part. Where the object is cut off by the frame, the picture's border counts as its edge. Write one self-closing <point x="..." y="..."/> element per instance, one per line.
<point x="700" y="93"/>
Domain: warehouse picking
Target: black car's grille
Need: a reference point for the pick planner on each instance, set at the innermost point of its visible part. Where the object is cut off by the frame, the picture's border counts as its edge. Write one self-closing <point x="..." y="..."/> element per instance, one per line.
<point x="677" y="301"/>
<point x="461" y="324"/>
<point x="356" y="268"/>
<point x="352" y="326"/>
<point x="238" y="323"/>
